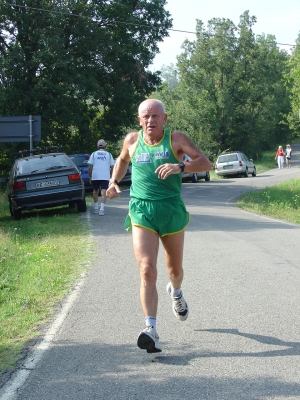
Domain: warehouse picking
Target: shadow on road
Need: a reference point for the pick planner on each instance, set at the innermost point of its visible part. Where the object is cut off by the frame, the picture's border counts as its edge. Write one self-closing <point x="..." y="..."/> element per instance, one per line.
<point x="290" y="348"/>
<point x="118" y="372"/>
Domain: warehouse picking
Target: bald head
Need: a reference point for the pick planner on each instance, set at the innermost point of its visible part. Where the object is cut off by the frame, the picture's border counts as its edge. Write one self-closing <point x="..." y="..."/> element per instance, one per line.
<point x="152" y="117"/>
<point x="150" y="103"/>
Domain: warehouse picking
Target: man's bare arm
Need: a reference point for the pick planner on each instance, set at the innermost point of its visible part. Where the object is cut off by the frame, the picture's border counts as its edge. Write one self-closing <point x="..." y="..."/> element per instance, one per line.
<point x="182" y="144"/>
<point x="90" y="169"/>
<point x="121" y="165"/>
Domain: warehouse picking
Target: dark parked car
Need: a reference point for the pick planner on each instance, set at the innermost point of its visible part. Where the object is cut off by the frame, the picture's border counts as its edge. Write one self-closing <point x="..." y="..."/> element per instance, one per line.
<point x="194" y="176"/>
<point x="44" y="180"/>
<point x="80" y="160"/>
<point x="126" y="180"/>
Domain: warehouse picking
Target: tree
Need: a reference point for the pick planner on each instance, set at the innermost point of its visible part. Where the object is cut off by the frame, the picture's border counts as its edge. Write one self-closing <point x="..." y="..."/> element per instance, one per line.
<point x="81" y="65"/>
<point x="231" y="89"/>
<point x="293" y="83"/>
<point x="169" y="75"/>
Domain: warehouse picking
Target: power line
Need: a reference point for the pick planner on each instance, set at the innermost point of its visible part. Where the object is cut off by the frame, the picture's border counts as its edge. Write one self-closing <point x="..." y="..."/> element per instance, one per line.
<point x="119" y="22"/>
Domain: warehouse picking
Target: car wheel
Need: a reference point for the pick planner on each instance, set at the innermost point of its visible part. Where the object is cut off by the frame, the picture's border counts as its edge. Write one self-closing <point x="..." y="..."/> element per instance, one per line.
<point x="14" y="212"/>
<point x="254" y="172"/>
<point x="194" y="178"/>
<point x="246" y="173"/>
<point x="207" y="177"/>
<point x="81" y="205"/>
<point x="10" y="209"/>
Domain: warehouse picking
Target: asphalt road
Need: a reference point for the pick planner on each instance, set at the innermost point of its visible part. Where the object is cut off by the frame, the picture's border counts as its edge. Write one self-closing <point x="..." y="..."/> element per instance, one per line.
<point x="242" y="337"/>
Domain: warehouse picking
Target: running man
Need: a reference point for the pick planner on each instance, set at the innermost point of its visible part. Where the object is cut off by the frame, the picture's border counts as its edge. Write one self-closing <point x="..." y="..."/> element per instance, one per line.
<point x="156" y="209"/>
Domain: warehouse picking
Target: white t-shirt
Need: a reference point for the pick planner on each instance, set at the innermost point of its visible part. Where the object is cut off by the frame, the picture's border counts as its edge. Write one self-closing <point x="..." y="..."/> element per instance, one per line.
<point x="288" y="153"/>
<point x="101" y="161"/>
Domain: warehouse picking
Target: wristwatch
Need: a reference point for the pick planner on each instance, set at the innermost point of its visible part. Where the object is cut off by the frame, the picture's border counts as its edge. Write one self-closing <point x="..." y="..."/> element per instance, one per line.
<point x="182" y="166"/>
<point x="113" y="181"/>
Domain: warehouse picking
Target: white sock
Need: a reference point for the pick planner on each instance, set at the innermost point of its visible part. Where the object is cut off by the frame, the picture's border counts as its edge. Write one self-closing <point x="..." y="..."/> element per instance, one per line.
<point x="102" y="206"/>
<point x="150" y="321"/>
<point x="175" y="292"/>
<point x="95" y="205"/>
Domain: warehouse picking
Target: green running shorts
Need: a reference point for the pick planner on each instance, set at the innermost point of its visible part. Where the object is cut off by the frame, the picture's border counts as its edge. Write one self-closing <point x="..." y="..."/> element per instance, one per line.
<point x="163" y="217"/>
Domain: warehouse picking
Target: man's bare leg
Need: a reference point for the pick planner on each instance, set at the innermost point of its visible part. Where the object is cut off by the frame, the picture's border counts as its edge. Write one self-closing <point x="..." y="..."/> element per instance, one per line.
<point x="173" y="245"/>
<point x="145" y="245"/>
<point x="95" y="197"/>
<point x="103" y="201"/>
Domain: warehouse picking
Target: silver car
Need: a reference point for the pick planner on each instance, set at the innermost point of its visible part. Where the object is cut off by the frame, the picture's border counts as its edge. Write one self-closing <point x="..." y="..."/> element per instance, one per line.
<point x="235" y="163"/>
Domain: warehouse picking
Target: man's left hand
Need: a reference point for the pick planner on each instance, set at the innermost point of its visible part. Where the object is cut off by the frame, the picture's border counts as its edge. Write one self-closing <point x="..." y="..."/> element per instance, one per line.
<point x="165" y="170"/>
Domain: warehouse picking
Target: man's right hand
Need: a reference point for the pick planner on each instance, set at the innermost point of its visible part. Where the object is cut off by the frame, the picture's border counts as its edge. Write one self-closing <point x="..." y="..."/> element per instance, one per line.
<point x="113" y="191"/>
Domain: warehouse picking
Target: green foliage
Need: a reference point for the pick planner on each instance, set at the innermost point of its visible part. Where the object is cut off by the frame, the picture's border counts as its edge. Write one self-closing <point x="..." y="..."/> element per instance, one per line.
<point x="231" y="94"/>
<point x="81" y="65"/>
<point x="169" y="75"/>
<point x="293" y="83"/>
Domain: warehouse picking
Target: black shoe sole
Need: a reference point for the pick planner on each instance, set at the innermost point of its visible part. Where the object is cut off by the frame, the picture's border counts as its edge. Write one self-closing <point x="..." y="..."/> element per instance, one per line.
<point x="145" y="342"/>
<point x="181" y="316"/>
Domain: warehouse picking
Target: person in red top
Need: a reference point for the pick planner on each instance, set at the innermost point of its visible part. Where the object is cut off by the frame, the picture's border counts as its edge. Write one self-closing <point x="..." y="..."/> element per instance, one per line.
<point x="280" y="157"/>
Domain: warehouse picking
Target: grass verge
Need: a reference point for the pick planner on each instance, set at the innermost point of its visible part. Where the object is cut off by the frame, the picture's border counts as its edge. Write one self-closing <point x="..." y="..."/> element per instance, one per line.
<point x="281" y="201"/>
<point x="40" y="258"/>
<point x="265" y="162"/>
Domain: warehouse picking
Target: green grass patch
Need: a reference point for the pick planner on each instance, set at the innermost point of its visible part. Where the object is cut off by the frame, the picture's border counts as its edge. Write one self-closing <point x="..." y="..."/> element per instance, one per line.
<point x="265" y="162"/>
<point x="40" y="258"/>
<point x="281" y="201"/>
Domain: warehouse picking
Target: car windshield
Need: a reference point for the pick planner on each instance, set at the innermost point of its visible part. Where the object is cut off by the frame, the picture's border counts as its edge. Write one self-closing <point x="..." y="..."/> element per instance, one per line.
<point x="228" y="158"/>
<point x="79" y="161"/>
<point x="31" y="165"/>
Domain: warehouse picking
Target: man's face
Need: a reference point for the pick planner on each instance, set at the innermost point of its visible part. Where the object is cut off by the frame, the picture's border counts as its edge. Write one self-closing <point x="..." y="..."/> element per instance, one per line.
<point x="152" y="117"/>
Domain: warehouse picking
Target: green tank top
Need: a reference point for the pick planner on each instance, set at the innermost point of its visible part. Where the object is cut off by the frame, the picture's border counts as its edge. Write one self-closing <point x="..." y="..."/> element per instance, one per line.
<point x="146" y="158"/>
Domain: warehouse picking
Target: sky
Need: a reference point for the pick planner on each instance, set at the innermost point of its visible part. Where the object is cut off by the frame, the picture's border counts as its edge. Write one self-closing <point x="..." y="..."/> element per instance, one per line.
<point x="280" y="18"/>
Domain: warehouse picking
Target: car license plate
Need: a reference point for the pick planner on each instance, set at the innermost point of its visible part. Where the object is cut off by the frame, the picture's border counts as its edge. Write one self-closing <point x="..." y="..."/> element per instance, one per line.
<point x="40" y="185"/>
<point x="227" y="167"/>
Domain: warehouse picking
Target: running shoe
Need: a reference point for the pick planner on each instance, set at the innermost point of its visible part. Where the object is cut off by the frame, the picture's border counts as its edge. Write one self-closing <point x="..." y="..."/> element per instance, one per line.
<point x="149" y="340"/>
<point x="96" y="210"/>
<point x="101" y="212"/>
<point x="180" y="307"/>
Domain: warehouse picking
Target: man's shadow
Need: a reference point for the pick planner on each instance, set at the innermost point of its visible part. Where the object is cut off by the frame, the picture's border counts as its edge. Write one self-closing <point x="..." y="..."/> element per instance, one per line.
<point x="290" y="348"/>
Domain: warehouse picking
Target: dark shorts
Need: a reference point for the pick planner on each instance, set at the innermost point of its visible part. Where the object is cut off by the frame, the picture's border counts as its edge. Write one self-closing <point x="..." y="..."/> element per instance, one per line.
<point x="103" y="185"/>
<point x="163" y="217"/>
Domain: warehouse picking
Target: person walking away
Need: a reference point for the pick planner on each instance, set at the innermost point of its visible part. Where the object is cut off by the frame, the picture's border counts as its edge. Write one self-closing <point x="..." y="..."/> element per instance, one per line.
<point x="100" y="165"/>
<point x="288" y="156"/>
<point x="280" y="157"/>
<point x="156" y="210"/>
